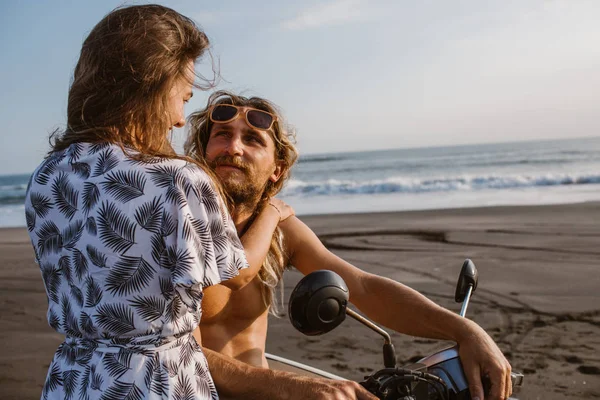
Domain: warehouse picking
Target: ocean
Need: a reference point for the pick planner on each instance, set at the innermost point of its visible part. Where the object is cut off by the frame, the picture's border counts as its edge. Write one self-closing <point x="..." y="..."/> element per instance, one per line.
<point x="541" y="172"/>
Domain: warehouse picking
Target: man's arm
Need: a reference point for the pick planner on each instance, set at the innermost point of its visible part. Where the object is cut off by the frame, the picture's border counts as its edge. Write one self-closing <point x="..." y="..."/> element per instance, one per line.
<point x="403" y="309"/>
<point x="236" y="379"/>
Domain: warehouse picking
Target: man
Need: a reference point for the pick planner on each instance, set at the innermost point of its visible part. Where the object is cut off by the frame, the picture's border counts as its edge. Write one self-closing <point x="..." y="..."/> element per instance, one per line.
<point x="245" y="142"/>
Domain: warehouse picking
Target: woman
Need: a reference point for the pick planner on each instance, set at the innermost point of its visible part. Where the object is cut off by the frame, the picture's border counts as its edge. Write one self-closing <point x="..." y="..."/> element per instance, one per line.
<point x="126" y="233"/>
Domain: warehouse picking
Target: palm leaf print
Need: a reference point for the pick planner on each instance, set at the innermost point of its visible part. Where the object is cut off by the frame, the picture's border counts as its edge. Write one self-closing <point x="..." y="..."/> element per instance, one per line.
<point x="30" y="219"/>
<point x="168" y="258"/>
<point x="186" y="354"/>
<point x="124" y="186"/>
<point x="184" y="263"/>
<point x="122" y="391"/>
<point x="116" y="231"/>
<point x="172" y="368"/>
<point x="85" y="383"/>
<point x="187" y="327"/>
<point x="106" y="161"/>
<point x="71" y="325"/>
<point x="170" y="177"/>
<point x="71" y="234"/>
<point x="158" y="247"/>
<point x="40" y="204"/>
<point x="81" y="169"/>
<point x="90" y="226"/>
<point x="150" y="308"/>
<point x="70" y="382"/>
<point x="115" y="318"/>
<point x="195" y="292"/>
<point x="151" y="364"/>
<point x="53" y="320"/>
<point x="97" y="258"/>
<point x="97" y="379"/>
<point x="147" y="160"/>
<point x="85" y="351"/>
<point x="234" y="265"/>
<point x="91" y="196"/>
<point x="54" y="379"/>
<point x="74" y="152"/>
<point x="196" y="317"/>
<point x="68" y="351"/>
<point x="65" y="196"/>
<point x="79" y="263"/>
<point x="166" y="287"/>
<point x="160" y="381"/>
<point x="173" y="310"/>
<point x="93" y="292"/>
<point x="49" y="240"/>
<point x="64" y="265"/>
<point x="129" y="274"/>
<point x="183" y="389"/>
<point x="176" y="196"/>
<point x="118" y="364"/>
<point x="221" y="244"/>
<point x="149" y="215"/>
<point x="87" y="326"/>
<point x="77" y="295"/>
<point x="163" y="175"/>
<point x="51" y="277"/>
<point x="205" y="193"/>
<point x="98" y="147"/>
<point x="49" y="167"/>
<point x="196" y="231"/>
<point x="169" y="224"/>
<point x="204" y="383"/>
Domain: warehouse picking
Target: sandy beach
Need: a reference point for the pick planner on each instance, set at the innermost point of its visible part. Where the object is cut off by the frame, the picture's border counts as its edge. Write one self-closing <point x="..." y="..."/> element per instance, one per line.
<point x="538" y="294"/>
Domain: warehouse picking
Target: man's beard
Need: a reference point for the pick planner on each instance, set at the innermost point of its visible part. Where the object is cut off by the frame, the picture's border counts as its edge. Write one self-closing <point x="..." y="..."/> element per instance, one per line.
<point x="246" y="191"/>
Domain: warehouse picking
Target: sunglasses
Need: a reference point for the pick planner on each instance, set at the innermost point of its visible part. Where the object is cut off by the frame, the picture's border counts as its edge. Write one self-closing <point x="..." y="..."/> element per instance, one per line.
<point x="259" y="119"/>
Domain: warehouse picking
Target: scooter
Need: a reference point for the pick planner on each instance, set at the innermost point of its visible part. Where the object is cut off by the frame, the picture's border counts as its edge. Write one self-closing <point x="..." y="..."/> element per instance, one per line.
<point x="318" y="304"/>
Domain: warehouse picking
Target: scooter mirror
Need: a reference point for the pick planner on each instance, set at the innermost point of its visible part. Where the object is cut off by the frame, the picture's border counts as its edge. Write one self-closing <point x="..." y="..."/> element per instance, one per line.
<point x="468" y="276"/>
<point x="318" y="303"/>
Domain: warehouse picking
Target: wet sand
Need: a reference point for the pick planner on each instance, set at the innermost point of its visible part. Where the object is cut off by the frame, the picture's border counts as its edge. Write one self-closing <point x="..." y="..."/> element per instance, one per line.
<point x="538" y="294"/>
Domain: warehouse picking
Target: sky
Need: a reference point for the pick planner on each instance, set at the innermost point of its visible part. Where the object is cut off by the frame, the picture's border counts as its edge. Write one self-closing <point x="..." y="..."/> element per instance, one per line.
<point x="349" y="75"/>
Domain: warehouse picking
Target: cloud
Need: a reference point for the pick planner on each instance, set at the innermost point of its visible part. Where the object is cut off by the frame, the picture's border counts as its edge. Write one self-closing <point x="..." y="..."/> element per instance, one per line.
<point x="333" y="13"/>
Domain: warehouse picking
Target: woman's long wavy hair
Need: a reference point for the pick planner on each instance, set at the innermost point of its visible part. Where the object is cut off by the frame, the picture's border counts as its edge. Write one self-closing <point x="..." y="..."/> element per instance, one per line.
<point x="286" y="155"/>
<point x="121" y="85"/>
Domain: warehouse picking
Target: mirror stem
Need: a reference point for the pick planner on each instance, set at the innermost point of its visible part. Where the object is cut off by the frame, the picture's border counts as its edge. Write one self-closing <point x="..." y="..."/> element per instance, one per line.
<point x="363" y="320"/>
<point x="463" y="310"/>
<point x="389" y="354"/>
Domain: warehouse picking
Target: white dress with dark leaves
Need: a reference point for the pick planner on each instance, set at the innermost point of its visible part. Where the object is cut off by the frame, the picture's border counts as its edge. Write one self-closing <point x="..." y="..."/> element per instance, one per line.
<point x="125" y="248"/>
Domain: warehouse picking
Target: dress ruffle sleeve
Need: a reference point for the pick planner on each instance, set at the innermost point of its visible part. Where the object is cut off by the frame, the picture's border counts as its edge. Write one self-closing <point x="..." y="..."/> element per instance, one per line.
<point x="208" y="248"/>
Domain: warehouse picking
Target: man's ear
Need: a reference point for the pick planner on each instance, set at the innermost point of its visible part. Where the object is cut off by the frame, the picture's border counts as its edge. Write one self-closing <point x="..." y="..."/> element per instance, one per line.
<point x="276" y="174"/>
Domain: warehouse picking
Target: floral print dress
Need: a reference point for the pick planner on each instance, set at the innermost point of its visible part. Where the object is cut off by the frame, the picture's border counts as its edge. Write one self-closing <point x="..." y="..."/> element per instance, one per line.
<point x="125" y="248"/>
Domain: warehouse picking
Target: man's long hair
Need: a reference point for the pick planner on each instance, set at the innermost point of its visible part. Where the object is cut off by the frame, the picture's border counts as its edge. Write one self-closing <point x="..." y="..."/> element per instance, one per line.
<point x="121" y="85"/>
<point x="286" y="155"/>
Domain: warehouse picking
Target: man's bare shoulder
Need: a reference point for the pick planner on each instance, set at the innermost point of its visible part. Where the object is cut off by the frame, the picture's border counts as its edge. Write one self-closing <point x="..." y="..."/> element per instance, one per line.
<point x="295" y="230"/>
<point x="299" y="239"/>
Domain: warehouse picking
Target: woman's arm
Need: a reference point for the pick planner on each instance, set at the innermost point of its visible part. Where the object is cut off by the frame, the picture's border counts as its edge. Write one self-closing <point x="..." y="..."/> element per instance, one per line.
<point x="257" y="241"/>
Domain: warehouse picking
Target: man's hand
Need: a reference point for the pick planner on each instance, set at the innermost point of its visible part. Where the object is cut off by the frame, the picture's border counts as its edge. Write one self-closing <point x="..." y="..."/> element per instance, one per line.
<point x="480" y="356"/>
<point x="285" y="210"/>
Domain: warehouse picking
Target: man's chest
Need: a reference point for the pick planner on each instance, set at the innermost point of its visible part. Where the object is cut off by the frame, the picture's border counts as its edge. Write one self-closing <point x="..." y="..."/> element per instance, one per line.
<point x="220" y="303"/>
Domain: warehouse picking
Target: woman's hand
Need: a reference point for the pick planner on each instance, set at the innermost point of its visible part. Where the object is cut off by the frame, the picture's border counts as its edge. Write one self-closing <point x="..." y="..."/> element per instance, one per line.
<point x="285" y="210"/>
